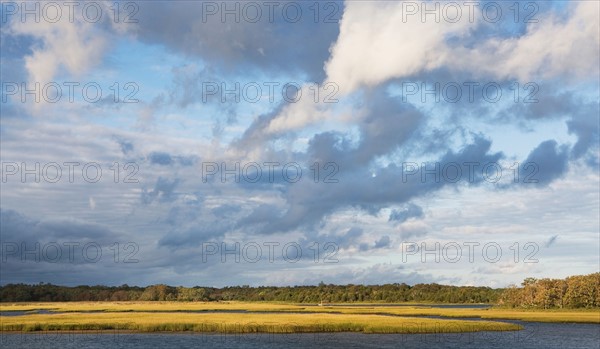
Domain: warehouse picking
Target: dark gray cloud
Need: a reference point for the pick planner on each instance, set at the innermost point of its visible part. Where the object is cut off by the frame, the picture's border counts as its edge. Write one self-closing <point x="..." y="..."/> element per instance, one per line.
<point x="349" y="238"/>
<point x="18" y="227"/>
<point x="166" y="159"/>
<point x="388" y="125"/>
<point x="308" y="202"/>
<point x="125" y="145"/>
<point x="269" y="44"/>
<point x="585" y="125"/>
<point x="255" y="135"/>
<point x="163" y="191"/>
<point x="545" y="163"/>
<point x="58" y="250"/>
<point x="160" y="158"/>
<point x="383" y="242"/>
<point x="551" y="241"/>
<point x="70" y="262"/>
<point x="194" y="236"/>
<point x="521" y="104"/>
<point x="409" y="211"/>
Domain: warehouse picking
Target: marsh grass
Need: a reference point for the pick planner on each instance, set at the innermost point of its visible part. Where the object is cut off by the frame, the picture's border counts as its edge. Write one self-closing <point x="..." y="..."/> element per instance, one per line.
<point x="558" y="316"/>
<point x="270" y="317"/>
<point x="246" y="323"/>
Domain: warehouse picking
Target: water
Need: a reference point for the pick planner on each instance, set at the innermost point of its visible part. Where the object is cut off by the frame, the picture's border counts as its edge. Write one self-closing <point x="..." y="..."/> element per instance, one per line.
<point x="535" y="336"/>
<point x="374" y="305"/>
<point x="29" y="312"/>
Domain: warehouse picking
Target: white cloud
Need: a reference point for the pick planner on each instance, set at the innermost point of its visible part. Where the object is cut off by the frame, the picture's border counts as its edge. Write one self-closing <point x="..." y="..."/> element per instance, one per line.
<point x="73" y="44"/>
<point x="298" y="114"/>
<point x="551" y="47"/>
<point x="311" y="107"/>
<point x="376" y="44"/>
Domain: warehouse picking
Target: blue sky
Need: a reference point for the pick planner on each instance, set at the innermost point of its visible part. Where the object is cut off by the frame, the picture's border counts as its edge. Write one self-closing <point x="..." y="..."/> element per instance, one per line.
<point x="399" y="124"/>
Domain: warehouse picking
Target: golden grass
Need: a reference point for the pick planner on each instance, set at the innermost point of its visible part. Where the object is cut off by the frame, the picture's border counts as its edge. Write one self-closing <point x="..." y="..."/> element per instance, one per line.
<point x="288" y="318"/>
<point x="567" y="316"/>
<point x="245" y="323"/>
<point x="147" y="306"/>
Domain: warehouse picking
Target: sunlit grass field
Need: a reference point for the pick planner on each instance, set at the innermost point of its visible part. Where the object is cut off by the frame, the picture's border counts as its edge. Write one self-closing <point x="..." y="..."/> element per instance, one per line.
<point x="245" y="323"/>
<point x="270" y="317"/>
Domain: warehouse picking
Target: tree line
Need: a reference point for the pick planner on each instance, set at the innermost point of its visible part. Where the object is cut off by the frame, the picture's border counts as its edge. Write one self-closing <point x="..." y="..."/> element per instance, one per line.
<point x="572" y="292"/>
<point x="298" y="294"/>
<point x="579" y="291"/>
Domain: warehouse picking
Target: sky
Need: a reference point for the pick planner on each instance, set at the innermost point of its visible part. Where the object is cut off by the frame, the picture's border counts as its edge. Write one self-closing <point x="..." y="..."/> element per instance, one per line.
<point x="288" y="143"/>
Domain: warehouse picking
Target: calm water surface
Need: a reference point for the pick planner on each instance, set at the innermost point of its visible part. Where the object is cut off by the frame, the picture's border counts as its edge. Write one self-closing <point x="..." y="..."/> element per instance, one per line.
<point x="535" y="336"/>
